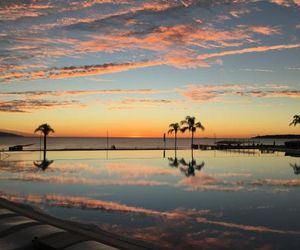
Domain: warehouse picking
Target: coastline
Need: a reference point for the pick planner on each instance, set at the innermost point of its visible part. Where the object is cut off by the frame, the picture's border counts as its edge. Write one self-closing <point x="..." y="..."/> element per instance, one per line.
<point x="98" y="149"/>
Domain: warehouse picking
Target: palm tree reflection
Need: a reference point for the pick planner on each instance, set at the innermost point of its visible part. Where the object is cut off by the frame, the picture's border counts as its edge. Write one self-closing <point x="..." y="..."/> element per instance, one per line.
<point x="296" y="168"/>
<point x="187" y="168"/>
<point x="43" y="165"/>
<point x="173" y="162"/>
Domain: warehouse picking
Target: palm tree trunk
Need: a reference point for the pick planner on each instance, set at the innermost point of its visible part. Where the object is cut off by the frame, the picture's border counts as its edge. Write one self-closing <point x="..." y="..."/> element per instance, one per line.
<point x="45" y="147"/>
<point x="192" y="145"/>
<point x="175" y="141"/>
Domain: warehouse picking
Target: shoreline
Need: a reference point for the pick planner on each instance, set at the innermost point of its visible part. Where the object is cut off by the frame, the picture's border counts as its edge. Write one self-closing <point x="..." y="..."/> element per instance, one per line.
<point x="280" y="148"/>
<point x="98" y="149"/>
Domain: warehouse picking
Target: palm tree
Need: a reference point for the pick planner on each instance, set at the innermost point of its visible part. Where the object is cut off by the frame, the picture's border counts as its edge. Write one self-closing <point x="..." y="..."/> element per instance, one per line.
<point x="191" y="125"/>
<point x="46" y="130"/>
<point x="296" y="120"/>
<point x="174" y="127"/>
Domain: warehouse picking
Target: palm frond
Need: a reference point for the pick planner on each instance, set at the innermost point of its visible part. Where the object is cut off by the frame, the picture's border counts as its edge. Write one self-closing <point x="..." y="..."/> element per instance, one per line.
<point x="170" y="131"/>
<point x="184" y="122"/>
<point x="199" y="125"/>
<point x="296" y="120"/>
<point x="183" y="129"/>
<point x="200" y="166"/>
<point x="183" y="162"/>
<point x="172" y="125"/>
<point x="45" y="129"/>
<point x="39" y="128"/>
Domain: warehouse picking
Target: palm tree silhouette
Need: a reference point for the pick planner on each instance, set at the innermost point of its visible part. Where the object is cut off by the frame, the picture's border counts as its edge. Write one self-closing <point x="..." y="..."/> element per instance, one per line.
<point x="191" y="125"/>
<point x="174" y="127"/>
<point x="46" y="130"/>
<point x="296" y="120"/>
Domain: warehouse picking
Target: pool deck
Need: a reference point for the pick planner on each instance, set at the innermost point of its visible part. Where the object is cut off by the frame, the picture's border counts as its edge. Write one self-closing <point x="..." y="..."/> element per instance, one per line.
<point x="22" y="227"/>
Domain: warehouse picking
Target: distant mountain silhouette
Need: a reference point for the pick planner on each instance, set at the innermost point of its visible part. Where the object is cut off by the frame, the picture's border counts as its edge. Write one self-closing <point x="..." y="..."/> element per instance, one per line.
<point x="5" y="134"/>
<point x="17" y="133"/>
<point x="288" y="136"/>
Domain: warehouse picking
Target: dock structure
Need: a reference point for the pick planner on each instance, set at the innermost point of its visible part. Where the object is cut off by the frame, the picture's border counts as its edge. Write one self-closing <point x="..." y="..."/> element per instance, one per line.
<point x="22" y="227"/>
<point x="240" y="145"/>
<point x="265" y="149"/>
<point x="19" y="147"/>
<point x="289" y="146"/>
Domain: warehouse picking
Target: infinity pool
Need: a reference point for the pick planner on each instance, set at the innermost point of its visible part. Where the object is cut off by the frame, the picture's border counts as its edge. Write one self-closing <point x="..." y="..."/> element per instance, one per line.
<point x="236" y="200"/>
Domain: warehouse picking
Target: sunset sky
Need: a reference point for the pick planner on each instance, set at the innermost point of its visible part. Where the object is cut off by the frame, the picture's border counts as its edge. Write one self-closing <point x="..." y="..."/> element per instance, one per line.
<point x="133" y="67"/>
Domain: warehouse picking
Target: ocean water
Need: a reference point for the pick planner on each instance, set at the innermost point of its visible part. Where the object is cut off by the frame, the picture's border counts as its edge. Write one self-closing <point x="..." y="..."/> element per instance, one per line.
<point x="120" y="143"/>
<point x="215" y="200"/>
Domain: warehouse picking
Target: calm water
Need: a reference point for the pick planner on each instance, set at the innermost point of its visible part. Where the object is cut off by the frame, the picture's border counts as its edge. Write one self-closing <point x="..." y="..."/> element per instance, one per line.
<point x="120" y="143"/>
<point x="219" y="200"/>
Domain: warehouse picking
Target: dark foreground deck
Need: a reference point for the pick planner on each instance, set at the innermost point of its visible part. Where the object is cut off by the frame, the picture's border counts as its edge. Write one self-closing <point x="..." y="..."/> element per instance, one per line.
<point x="22" y="227"/>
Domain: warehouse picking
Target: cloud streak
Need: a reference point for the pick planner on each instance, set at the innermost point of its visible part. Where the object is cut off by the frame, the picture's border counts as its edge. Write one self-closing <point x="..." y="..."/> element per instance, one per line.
<point x="248" y="50"/>
<point x="259" y="229"/>
<point x="202" y="93"/>
<point x="277" y="182"/>
<point x="24" y="106"/>
<point x="39" y="94"/>
<point x="87" y="70"/>
<point x="100" y="205"/>
<point x="178" y="59"/>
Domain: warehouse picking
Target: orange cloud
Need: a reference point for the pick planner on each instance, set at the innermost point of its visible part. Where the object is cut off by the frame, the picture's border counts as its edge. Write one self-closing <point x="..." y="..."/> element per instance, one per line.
<point x="136" y="103"/>
<point x="264" y="30"/>
<point x="239" y="12"/>
<point x="286" y="3"/>
<point x="88" y="70"/>
<point x="201" y="93"/>
<point x="82" y="180"/>
<point x="204" y="182"/>
<point x="110" y="206"/>
<point x="14" y="11"/>
<point x="38" y="94"/>
<point x="137" y="170"/>
<point x="19" y="106"/>
<point x="277" y="182"/>
<point x="167" y="38"/>
<point x="179" y="59"/>
<point x="248" y="50"/>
